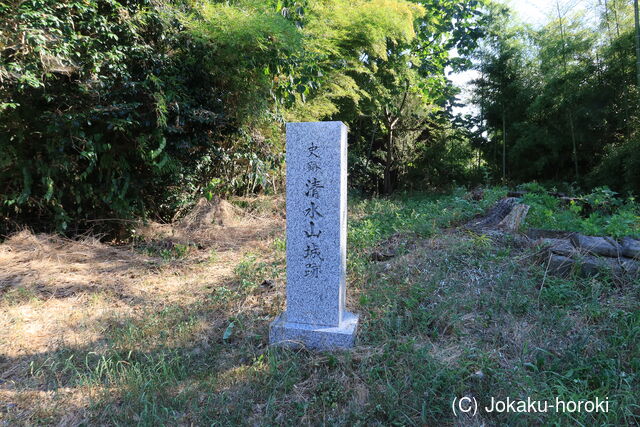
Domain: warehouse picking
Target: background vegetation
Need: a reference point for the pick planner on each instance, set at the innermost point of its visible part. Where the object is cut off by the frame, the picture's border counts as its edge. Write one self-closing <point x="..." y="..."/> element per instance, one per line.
<point x="116" y="110"/>
<point x="561" y="103"/>
<point x="126" y="109"/>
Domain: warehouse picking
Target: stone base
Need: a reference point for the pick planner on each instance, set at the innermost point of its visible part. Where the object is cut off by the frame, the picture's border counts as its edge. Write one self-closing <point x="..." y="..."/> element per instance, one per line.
<point x="314" y="337"/>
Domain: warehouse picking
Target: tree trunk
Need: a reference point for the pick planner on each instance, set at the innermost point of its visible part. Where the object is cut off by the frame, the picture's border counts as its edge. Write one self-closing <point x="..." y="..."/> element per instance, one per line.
<point x="481" y="106"/>
<point x="617" y="20"/>
<point x="575" y="148"/>
<point x="389" y="161"/>
<point x="606" y="19"/>
<point x="504" y="145"/>
<point x="565" y="67"/>
<point x="637" y="19"/>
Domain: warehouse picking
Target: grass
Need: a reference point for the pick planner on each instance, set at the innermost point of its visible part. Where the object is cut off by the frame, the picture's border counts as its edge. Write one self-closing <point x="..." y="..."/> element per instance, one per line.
<point x="599" y="213"/>
<point x="453" y="314"/>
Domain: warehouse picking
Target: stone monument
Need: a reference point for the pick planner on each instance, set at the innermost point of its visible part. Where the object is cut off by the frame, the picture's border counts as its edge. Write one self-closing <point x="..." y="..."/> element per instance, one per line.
<point x="315" y="316"/>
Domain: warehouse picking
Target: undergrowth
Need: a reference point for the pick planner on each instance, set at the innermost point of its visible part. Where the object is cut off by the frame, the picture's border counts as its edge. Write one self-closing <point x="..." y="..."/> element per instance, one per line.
<point x="601" y="212"/>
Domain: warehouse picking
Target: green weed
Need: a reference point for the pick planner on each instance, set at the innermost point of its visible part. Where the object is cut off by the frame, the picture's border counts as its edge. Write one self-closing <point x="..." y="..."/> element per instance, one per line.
<point x="607" y="215"/>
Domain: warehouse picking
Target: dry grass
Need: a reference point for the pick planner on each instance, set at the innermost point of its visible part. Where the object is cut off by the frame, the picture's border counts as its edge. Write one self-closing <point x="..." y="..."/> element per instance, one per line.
<point x="57" y="293"/>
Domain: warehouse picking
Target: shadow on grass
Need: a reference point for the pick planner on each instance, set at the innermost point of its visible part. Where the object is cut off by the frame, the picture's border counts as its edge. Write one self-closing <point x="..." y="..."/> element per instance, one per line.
<point x="174" y="367"/>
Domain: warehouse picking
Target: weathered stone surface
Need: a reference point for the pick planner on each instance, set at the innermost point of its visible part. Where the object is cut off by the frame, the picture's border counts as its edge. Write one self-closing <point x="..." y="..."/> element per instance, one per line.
<point x="596" y="245"/>
<point x="316" y="239"/>
<point x="316" y="222"/>
<point x="315" y="337"/>
<point x="631" y="248"/>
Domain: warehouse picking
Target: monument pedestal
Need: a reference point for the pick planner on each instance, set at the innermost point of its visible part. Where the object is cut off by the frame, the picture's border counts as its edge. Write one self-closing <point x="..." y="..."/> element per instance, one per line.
<point x="315" y="316"/>
<point x="314" y="337"/>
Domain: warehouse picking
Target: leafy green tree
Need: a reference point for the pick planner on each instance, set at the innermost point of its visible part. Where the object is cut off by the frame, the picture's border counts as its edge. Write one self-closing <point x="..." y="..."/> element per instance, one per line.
<point x="560" y="101"/>
<point x="503" y="90"/>
<point x="113" y="110"/>
<point x="406" y="88"/>
<point x="108" y="111"/>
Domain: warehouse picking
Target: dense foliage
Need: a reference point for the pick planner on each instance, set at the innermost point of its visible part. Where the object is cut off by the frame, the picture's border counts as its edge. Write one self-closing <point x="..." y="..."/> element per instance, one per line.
<point x="598" y="213"/>
<point x="107" y="112"/>
<point x="116" y="109"/>
<point x="561" y="103"/>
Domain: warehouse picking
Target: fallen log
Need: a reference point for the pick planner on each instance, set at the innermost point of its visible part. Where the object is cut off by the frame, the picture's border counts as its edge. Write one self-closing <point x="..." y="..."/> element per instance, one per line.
<point x="589" y="265"/>
<point x="631" y="248"/>
<point x="558" y="246"/>
<point x="597" y="245"/>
